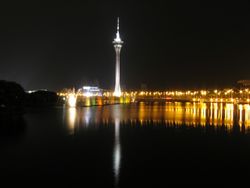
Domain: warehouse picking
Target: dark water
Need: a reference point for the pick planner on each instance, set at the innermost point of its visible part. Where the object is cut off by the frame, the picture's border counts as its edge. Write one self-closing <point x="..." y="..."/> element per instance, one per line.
<point x="128" y="145"/>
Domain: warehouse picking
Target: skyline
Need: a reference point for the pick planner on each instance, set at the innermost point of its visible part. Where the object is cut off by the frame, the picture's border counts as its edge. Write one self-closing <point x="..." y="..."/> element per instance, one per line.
<point x="167" y="45"/>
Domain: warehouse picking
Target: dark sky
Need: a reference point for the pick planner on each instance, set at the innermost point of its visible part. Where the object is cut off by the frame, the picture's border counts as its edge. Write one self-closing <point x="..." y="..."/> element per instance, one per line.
<point x="166" y="44"/>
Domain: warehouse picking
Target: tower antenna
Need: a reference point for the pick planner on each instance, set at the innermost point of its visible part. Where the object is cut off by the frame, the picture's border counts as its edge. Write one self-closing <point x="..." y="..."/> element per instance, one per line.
<point x="118" y="24"/>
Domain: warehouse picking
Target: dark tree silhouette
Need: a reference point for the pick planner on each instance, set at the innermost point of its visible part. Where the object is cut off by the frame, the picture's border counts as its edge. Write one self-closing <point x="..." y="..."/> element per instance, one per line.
<point x="11" y="94"/>
<point x="42" y="98"/>
<point x="12" y="97"/>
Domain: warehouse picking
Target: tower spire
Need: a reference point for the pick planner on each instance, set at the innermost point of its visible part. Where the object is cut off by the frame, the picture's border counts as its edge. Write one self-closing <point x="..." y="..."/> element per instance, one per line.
<point x="118" y="24"/>
<point x="118" y="38"/>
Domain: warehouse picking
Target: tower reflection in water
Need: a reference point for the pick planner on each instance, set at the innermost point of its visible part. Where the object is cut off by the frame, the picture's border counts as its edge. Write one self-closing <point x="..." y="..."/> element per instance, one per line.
<point x="227" y="117"/>
<point x="78" y="118"/>
<point x="117" y="114"/>
<point x="117" y="152"/>
<point x="71" y="117"/>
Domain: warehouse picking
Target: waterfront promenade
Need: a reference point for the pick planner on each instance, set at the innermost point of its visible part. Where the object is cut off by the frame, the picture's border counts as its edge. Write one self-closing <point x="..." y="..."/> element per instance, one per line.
<point x="235" y="96"/>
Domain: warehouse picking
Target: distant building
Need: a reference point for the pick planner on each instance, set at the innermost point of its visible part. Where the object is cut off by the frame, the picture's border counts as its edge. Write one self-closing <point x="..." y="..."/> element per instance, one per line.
<point x="33" y="91"/>
<point x="244" y="83"/>
<point x="89" y="91"/>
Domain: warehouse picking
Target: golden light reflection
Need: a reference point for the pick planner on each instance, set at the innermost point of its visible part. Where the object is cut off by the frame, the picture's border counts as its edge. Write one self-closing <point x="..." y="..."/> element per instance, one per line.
<point x="229" y="114"/>
<point x="87" y="101"/>
<point x="71" y="120"/>
<point x="99" y="101"/>
<point x="247" y="115"/>
<point x="192" y="114"/>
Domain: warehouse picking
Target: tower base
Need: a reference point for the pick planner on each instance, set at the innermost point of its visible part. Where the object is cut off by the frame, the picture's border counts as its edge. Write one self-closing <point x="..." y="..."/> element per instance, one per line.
<point x="117" y="93"/>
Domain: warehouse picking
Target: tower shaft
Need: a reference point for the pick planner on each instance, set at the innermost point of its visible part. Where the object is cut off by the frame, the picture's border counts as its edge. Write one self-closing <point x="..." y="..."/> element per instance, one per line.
<point x="117" y="91"/>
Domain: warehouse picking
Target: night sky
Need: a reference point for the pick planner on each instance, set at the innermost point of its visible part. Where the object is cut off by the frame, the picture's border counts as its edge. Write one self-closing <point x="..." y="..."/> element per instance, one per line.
<point x="166" y="44"/>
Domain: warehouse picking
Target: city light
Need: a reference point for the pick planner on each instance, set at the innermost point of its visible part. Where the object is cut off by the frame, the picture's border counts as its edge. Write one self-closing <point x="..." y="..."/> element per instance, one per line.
<point x="99" y="96"/>
<point x="72" y="100"/>
<point x="117" y="94"/>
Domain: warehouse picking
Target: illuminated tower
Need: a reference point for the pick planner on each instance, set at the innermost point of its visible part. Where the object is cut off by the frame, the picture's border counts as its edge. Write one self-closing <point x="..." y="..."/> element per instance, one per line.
<point x="118" y="45"/>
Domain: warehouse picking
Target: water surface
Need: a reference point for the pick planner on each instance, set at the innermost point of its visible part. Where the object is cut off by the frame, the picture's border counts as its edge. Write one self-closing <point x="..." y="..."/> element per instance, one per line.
<point x="129" y="145"/>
